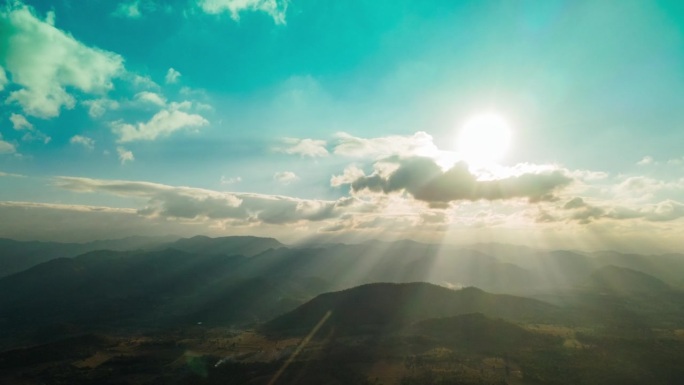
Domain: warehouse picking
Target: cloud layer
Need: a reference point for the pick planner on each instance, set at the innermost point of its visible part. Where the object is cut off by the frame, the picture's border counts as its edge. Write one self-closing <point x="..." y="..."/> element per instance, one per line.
<point x="194" y="203"/>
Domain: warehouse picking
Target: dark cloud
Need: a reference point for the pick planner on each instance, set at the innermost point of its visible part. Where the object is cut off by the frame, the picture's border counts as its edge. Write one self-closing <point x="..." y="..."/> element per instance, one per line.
<point x="426" y="181"/>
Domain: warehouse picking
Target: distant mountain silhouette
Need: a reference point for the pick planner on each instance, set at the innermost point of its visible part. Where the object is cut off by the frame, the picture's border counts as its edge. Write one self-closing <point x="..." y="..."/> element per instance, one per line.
<point x="145" y="289"/>
<point x="16" y="256"/>
<point x="235" y="245"/>
<point x="373" y="307"/>
<point x="616" y="280"/>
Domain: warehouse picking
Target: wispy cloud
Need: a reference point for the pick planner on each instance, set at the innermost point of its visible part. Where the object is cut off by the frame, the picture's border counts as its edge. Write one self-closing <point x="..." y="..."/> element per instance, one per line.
<point x="172" y="76"/>
<point x="125" y="155"/>
<point x="275" y="8"/>
<point x="202" y="204"/>
<point x="84" y="141"/>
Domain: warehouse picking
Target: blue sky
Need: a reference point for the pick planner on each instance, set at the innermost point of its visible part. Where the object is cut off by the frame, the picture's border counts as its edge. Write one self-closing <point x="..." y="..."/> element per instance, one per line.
<point x="341" y="120"/>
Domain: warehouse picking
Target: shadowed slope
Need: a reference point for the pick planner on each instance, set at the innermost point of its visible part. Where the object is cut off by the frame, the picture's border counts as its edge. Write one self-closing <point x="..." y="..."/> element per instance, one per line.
<point x="380" y="306"/>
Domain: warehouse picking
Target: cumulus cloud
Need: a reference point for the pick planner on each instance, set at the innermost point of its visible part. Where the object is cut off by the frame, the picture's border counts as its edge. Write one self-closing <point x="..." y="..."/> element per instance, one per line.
<point x="151" y="97"/>
<point x="172" y="76"/>
<point x="275" y="8"/>
<point x="124" y="155"/>
<point x="198" y="204"/>
<point x="425" y="180"/>
<point x="285" y="177"/>
<point x="46" y="62"/>
<point x="84" y="141"/>
<point x="304" y="147"/>
<point x="162" y="124"/>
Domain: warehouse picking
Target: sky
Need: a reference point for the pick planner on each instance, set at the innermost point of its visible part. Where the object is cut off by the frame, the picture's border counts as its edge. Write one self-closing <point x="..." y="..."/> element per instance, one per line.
<point x="345" y="121"/>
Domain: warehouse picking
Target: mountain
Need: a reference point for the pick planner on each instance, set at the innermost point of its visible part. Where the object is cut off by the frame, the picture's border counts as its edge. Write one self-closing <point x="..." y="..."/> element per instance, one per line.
<point x="145" y="289"/>
<point x="386" y="306"/>
<point x="476" y="332"/>
<point x="16" y="256"/>
<point x="236" y="245"/>
<point x="621" y="280"/>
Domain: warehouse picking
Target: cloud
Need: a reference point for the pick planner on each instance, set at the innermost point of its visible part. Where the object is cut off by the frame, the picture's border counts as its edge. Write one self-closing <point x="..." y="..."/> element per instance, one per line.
<point x="285" y="177"/>
<point x="9" y="174"/>
<point x="201" y="204"/>
<point x="304" y="147"/>
<point x="151" y="97"/>
<point x="129" y="10"/>
<point x="162" y="124"/>
<point x="234" y="180"/>
<point x="45" y="62"/>
<point x="646" y="160"/>
<point x="19" y="122"/>
<point x="420" y="144"/>
<point x="125" y="155"/>
<point x="584" y="212"/>
<point x="84" y="141"/>
<point x="6" y="147"/>
<point x="97" y="107"/>
<point x="275" y="8"/>
<point x="172" y="76"/>
<point x="425" y="180"/>
<point x="3" y="79"/>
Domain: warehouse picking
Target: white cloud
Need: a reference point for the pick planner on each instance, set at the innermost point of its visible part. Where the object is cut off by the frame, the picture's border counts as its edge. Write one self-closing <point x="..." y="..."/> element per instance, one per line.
<point x="172" y="76"/>
<point x="348" y="177"/>
<point x="19" y="122"/>
<point x="151" y="97"/>
<point x="84" y="141"/>
<point x="275" y="8"/>
<point x="162" y="124"/>
<point x="97" y="107"/>
<point x="6" y="147"/>
<point x="304" y="147"/>
<point x="45" y="61"/>
<point x="124" y="155"/>
<point x="130" y="10"/>
<point x="285" y="177"/>
<point x="646" y="160"/>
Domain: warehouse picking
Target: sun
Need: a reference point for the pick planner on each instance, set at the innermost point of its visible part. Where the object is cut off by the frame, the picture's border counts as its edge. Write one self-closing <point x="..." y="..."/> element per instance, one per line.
<point x="484" y="140"/>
